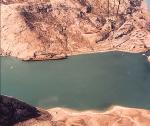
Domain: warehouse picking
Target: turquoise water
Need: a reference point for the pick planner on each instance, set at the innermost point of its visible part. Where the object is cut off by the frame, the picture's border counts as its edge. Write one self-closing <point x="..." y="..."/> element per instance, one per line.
<point x="93" y="81"/>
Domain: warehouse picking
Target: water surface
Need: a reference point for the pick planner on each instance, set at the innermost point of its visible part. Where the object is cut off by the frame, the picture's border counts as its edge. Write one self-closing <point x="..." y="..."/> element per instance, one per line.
<point x="93" y="81"/>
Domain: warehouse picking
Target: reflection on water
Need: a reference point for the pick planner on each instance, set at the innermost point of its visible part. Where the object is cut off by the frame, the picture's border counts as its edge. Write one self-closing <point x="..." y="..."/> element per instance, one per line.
<point x="81" y="82"/>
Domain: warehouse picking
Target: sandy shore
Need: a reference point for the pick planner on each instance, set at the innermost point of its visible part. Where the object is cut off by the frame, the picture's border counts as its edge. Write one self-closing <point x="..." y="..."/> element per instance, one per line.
<point x="17" y="113"/>
<point x="114" y="116"/>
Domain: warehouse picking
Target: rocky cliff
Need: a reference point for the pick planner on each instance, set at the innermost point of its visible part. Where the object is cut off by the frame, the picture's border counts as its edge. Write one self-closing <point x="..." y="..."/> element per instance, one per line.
<point x="13" y="111"/>
<point x="17" y="113"/>
<point x="55" y="29"/>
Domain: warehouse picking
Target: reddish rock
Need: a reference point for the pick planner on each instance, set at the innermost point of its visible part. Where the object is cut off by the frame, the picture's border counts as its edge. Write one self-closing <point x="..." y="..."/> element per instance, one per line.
<point x="41" y="30"/>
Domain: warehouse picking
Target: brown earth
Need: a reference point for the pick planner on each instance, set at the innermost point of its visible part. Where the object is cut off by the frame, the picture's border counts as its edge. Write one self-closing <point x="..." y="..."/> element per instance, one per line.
<point x="40" y="30"/>
<point x="116" y="116"/>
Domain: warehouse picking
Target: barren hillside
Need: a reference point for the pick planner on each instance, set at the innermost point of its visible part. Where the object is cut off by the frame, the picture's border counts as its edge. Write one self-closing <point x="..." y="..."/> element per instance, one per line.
<point x="54" y="29"/>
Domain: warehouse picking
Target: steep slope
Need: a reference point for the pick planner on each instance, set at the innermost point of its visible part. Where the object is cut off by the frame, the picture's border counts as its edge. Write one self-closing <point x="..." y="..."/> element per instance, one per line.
<point x="32" y="30"/>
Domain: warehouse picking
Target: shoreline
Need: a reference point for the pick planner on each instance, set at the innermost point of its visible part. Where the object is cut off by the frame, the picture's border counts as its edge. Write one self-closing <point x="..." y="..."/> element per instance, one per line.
<point x="31" y="116"/>
<point x="72" y="34"/>
<point x="144" y="53"/>
<point x="107" y="51"/>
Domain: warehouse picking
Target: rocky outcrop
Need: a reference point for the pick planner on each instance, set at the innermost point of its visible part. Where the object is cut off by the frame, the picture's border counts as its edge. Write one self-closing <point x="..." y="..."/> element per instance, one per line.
<point x="16" y="113"/>
<point x="13" y="111"/>
<point x="40" y="30"/>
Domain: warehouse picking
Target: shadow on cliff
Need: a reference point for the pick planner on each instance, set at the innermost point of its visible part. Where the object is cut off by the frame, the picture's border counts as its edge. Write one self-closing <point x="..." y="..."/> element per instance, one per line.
<point x="13" y="111"/>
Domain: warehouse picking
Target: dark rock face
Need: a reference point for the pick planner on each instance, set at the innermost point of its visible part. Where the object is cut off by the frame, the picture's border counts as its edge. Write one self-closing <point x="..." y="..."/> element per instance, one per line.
<point x="13" y="111"/>
<point x="135" y="3"/>
<point x="30" y="13"/>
